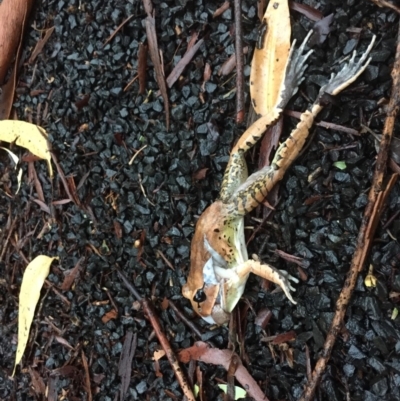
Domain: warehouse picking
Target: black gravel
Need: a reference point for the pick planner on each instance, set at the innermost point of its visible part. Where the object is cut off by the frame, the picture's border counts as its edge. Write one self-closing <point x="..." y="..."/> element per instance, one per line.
<point x="75" y="90"/>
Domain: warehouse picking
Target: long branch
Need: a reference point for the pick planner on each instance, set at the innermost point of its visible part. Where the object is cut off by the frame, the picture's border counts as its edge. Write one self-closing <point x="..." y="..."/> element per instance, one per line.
<point x="372" y="212"/>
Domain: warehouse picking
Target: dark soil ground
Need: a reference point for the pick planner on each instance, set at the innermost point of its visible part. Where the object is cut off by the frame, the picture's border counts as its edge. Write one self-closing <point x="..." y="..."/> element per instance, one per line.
<point x="75" y="89"/>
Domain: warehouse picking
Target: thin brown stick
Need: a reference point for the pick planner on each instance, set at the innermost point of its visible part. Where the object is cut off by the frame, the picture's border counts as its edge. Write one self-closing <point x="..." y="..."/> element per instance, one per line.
<point x="125" y="363"/>
<point x="384" y="3"/>
<point x="149" y="311"/>
<point x="164" y="258"/>
<point x="142" y="67"/>
<point x="376" y="198"/>
<point x="40" y="44"/>
<point x="110" y="38"/>
<point x="155" y="56"/>
<point x="185" y="320"/>
<point x="220" y="10"/>
<point x="239" y="63"/>
<point x="183" y="62"/>
<point x="87" y="376"/>
<point x="10" y="231"/>
<point x="325" y="124"/>
<point x="187" y="391"/>
<point x="62" y="177"/>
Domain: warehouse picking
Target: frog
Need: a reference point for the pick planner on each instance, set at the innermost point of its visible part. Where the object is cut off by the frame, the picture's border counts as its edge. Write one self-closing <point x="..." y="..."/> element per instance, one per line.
<point x="219" y="261"/>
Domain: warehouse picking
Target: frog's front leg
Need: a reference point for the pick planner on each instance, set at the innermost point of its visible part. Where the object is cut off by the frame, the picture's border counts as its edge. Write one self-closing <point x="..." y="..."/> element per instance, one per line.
<point x="264" y="270"/>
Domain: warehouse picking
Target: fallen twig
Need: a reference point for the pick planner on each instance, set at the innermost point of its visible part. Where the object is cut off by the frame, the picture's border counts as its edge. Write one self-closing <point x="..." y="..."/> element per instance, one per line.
<point x="220" y="10"/>
<point x="125" y="363"/>
<point x="110" y="38"/>
<point x="155" y="57"/>
<point x="142" y="67"/>
<point x="384" y="3"/>
<point x="10" y="229"/>
<point x="183" y="62"/>
<point x="40" y="44"/>
<point x="188" y="322"/>
<point x="87" y="376"/>
<point x="148" y="309"/>
<point x="325" y="124"/>
<point x="239" y="63"/>
<point x="376" y="198"/>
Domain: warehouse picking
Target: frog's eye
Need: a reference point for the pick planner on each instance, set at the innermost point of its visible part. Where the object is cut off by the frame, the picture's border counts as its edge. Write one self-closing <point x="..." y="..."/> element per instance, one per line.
<point x="200" y="296"/>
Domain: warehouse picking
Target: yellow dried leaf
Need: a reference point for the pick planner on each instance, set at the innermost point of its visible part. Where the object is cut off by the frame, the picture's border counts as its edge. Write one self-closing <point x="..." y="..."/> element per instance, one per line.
<point x="370" y="280"/>
<point x="32" y="283"/>
<point x="30" y="136"/>
<point x="270" y="57"/>
<point x="158" y="354"/>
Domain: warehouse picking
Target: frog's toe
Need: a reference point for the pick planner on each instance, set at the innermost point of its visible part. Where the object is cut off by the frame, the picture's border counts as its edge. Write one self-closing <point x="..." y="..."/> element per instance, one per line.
<point x="288" y="294"/>
<point x="295" y="68"/>
<point x="349" y="73"/>
<point x="289" y="276"/>
<point x="286" y="285"/>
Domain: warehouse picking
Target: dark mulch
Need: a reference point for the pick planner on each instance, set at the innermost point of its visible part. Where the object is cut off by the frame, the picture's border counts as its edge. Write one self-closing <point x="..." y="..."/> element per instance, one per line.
<point x="94" y="140"/>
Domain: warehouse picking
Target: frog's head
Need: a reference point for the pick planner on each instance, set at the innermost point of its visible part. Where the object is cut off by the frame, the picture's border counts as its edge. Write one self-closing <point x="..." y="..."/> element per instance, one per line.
<point x="212" y="295"/>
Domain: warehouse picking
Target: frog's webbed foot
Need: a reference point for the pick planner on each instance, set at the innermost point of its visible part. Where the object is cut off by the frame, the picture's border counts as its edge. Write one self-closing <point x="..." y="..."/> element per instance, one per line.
<point x="295" y="69"/>
<point x="348" y="74"/>
<point x="279" y="277"/>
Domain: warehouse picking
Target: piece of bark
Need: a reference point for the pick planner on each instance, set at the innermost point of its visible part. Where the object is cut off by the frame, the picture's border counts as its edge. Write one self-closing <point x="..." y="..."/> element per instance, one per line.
<point x="12" y="16"/>
<point x="125" y="363"/>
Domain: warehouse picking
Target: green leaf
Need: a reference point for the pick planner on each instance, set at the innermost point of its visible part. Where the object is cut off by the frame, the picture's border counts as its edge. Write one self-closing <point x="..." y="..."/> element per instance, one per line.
<point x="196" y="390"/>
<point x="239" y="392"/>
<point x="340" y="165"/>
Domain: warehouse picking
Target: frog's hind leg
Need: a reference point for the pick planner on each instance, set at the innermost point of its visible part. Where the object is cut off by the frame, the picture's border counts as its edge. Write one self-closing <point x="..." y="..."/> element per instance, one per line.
<point x="253" y="191"/>
<point x="295" y="68"/>
<point x="236" y="170"/>
<point x="290" y="149"/>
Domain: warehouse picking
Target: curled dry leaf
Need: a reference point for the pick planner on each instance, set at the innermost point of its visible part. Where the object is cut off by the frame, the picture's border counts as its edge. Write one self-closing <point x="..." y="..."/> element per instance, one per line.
<point x="32" y="283"/>
<point x="201" y="351"/>
<point x="200" y="174"/>
<point x="12" y="155"/>
<point x="29" y="136"/>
